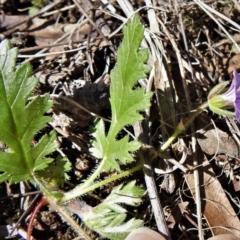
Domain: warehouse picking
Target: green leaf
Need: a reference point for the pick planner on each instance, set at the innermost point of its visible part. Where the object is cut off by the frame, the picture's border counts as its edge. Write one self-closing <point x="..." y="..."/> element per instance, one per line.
<point x="21" y="120"/>
<point x="33" y="10"/>
<point x="108" y="217"/>
<point x="55" y="173"/>
<point x="121" y="232"/>
<point x="129" y="194"/>
<point x="126" y="102"/>
<point x="130" y="67"/>
<point x="112" y="150"/>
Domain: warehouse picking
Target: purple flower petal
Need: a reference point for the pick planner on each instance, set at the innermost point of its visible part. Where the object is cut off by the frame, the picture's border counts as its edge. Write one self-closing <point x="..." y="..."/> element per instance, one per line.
<point x="236" y="79"/>
<point x="237" y="106"/>
<point x="231" y="94"/>
<point x="237" y="113"/>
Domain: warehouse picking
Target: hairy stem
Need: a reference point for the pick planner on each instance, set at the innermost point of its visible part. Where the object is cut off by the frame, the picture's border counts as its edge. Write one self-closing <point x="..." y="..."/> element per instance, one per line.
<point x="54" y="201"/>
<point x="111" y="179"/>
<point x="71" y="222"/>
<point x="77" y="191"/>
<point x="80" y="190"/>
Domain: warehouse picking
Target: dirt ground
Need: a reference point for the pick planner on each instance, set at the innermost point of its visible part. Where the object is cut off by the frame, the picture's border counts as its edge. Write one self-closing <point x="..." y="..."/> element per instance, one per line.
<point x="193" y="46"/>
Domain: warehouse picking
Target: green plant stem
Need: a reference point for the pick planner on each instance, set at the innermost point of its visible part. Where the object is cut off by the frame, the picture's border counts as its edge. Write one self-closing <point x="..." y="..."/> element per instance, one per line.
<point x="65" y="215"/>
<point x="53" y="200"/>
<point x="182" y="126"/>
<point x="111" y="179"/>
<point x="46" y="191"/>
<point x="77" y="191"/>
<point x="70" y="195"/>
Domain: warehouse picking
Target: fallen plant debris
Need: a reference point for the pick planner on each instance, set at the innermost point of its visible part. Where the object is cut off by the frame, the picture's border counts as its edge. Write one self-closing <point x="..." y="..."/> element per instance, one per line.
<point x="72" y="45"/>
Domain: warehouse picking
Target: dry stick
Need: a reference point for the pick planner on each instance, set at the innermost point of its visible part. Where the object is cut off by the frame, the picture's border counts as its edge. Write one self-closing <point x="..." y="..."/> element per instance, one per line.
<point x="20" y="195"/>
<point x="195" y="163"/>
<point x="59" y="10"/>
<point x="150" y="179"/>
<point x="195" y="158"/>
<point x="233" y="129"/>
<point x="93" y="24"/>
<point x="76" y="104"/>
<point x="24" y="214"/>
<point x="148" y="170"/>
<point x="51" y="53"/>
<point x="46" y="49"/>
<point x="194" y="143"/>
<point x="150" y="182"/>
<point x="88" y="55"/>
<point x="36" y="48"/>
<point x="236" y="5"/>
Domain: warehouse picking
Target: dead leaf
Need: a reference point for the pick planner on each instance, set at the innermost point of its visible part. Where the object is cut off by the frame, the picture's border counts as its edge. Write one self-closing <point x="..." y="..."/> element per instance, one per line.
<point x="215" y="141"/>
<point x="8" y="21"/>
<point x="215" y="205"/>
<point x="176" y="214"/>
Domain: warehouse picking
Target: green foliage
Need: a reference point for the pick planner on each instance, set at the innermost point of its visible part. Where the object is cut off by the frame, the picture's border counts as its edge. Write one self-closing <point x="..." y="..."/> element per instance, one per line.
<point x="110" y="150"/>
<point x="55" y="173"/>
<point x="126" y="102"/>
<point x="108" y="217"/>
<point x="20" y="121"/>
<point x="37" y="4"/>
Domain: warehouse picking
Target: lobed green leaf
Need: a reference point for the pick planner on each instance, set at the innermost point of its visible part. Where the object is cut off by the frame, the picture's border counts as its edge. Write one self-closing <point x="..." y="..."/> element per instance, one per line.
<point x="21" y="120"/>
<point x="130" y="67"/>
<point x="108" y="217"/>
<point x="126" y="102"/>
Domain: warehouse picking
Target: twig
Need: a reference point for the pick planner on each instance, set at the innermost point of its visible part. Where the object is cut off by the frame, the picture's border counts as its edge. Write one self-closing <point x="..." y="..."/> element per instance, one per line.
<point x="20" y="195"/>
<point x="195" y="158"/>
<point x="93" y="24"/>
<point x="51" y="53"/>
<point x="43" y="10"/>
<point x="59" y="10"/>
<point x="24" y="214"/>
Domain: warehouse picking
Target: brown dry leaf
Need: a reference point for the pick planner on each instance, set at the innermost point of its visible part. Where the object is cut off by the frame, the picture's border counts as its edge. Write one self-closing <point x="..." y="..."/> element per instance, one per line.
<point x="51" y="33"/>
<point x="215" y="205"/>
<point x="215" y="141"/>
<point x="176" y="214"/>
<point x="45" y="33"/>
<point x="9" y="21"/>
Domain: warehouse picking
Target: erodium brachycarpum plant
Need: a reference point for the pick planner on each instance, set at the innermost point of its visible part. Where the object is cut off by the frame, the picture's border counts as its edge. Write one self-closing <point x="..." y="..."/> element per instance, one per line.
<point x="21" y="119"/>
